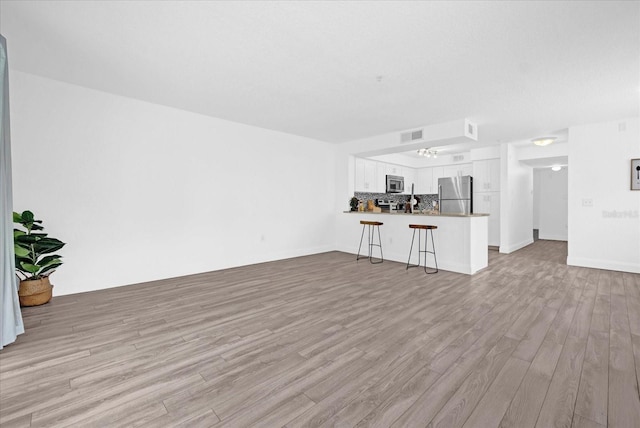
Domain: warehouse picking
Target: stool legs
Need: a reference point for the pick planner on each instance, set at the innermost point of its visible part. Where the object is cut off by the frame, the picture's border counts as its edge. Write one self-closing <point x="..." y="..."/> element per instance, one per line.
<point x="371" y="244"/>
<point x="425" y="251"/>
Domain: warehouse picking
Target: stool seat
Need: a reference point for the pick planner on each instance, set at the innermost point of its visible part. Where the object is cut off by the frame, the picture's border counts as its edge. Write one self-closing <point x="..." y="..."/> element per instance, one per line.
<point x="423" y="226"/>
<point x="371" y="223"/>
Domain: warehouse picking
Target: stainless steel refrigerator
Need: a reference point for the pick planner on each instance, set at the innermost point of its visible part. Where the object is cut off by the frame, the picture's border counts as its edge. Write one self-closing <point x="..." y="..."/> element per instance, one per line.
<point x="455" y="195"/>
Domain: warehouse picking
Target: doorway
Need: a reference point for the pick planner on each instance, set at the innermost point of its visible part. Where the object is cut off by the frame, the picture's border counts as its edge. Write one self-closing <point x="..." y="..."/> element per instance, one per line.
<point x="550" y="203"/>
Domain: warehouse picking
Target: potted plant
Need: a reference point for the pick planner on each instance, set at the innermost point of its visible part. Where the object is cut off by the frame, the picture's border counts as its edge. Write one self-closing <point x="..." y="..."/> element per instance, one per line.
<point x="34" y="261"/>
<point x="353" y="203"/>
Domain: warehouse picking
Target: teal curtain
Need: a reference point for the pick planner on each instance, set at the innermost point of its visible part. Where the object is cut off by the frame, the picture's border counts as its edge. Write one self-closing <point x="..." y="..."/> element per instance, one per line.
<point x="10" y="317"/>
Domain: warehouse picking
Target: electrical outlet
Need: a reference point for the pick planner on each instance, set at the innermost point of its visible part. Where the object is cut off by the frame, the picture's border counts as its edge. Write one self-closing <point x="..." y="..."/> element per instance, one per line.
<point x="587" y="203"/>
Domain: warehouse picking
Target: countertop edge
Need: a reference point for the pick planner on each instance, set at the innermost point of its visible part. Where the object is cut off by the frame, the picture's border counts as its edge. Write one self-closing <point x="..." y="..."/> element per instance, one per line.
<point x="419" y="214"/>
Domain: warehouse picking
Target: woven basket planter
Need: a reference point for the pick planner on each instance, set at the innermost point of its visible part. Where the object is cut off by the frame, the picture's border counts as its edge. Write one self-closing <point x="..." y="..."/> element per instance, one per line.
<point x="35" y="292"/>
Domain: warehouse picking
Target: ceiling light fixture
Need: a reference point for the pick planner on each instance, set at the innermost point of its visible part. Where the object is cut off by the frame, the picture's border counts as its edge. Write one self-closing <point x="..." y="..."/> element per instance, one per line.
<point x="556" y="168"/>
<point x="543" y="141"/>
<point x="428" y="153"/>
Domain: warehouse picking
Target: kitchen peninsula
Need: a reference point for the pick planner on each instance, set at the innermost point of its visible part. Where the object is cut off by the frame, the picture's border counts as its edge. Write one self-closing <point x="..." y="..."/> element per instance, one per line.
<point x="461" y="240"/>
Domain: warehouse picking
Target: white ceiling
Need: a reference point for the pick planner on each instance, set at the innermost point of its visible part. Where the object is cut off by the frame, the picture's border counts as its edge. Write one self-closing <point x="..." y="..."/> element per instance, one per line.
<point x="519" y="69"/>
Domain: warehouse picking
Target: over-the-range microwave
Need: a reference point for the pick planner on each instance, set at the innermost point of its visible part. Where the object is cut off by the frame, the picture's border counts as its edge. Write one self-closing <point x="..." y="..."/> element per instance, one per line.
<point x="395" y="184"/>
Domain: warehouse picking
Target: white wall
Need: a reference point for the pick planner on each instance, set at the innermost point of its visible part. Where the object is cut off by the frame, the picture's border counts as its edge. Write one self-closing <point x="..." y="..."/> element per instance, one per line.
<point x="516" y="201"/>
<point x="141" y="191"/>
<point x="536" y="198"/>
<point x="550" y="203"/>
<point x="604" y="214"/>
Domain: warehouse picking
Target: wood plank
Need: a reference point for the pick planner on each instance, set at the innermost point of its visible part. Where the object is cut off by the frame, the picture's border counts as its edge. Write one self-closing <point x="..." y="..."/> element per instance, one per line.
<point x="558" y="406"/>
<point x="593" y="391"/>
<point x="285" y="413"/>
<point x="494" y="403"/>
<point x="582" y="422"/>
<point x="397" y="403"/>
<point x="526" y="404"/>
<point x="23" y="421"/>
<point x="455" y="411"/>
<point x="581" y="322"/>
<point x="482" y="360"/>
<point x="256" y="403"/>
<point x="560" y="326"/>
<point x="601" y="311"/>
<point x="635" y="341"/>
<point x="528" y="346"/>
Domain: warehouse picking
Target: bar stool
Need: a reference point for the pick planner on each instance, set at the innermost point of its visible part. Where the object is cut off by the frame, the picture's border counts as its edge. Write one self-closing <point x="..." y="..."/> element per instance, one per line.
<point x="427" y="229"/>
<point x="371" y="225"/>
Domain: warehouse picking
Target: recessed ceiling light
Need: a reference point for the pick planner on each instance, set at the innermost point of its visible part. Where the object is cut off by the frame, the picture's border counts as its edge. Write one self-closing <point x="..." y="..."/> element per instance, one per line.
<point x="556" y="168"/>
<point x="543" y="141"/>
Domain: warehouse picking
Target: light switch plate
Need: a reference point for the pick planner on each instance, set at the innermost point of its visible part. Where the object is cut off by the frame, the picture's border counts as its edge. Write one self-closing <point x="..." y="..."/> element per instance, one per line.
<point x="587" y="203"/>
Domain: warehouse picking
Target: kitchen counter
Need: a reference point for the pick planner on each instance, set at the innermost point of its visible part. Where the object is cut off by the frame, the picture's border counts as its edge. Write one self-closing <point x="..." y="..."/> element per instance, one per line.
<point x="419" y="214"/>
<point x="461" y="241"/>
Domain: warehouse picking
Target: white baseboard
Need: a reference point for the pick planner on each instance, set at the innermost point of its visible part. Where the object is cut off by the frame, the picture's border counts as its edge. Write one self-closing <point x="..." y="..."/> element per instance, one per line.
<point x="506" y="249"/>
<point x="553" y="237"/>
<point x="603" y="264"/>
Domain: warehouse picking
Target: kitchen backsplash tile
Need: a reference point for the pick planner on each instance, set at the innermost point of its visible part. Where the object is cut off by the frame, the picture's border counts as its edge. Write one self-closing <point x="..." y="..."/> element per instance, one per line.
<point x="426" y="201"/>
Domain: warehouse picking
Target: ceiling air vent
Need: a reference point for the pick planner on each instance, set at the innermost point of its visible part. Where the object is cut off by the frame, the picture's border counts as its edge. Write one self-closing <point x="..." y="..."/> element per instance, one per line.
<point x="408" y="137"/>
<point x="458" y="158"/>
<point x="470" y="130"/>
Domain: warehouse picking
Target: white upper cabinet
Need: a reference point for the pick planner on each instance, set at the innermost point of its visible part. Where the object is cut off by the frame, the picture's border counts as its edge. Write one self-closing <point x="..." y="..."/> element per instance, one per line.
<point x="359" y="175"/>
<point x="410" y="176"/>
<point x="486" y="175"/>
<point x="438" y="172"/>
<point x="395" y="170"/>
<point x="466" y="169"/>
<point x="380" y="185"/>
<point x="424" y="181"/>
<point x="370" y="176"/>
<point x="458" y="170"/>
<point x="366" y="175"/>
<point x="427" y="180"/>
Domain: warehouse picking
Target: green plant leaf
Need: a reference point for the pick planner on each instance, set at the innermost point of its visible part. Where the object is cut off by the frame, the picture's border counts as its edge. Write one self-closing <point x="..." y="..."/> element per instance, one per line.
<point x="18" y="232"/>
<point x="19" y="261"/>
<point x="17" y="217"/>
<point x="47" y="259"/>
<point x="51" y="265"/>
<point x="22" y="247"/>
<point x="27" y="217"/>
<point x="48" y="245"/>
<point x="30" y="239"/>
<point x="49" y="268"/>
<point x="20" y="251"/>
<point x="31" y="268"/>
<point x="22" y="259"/>
<point x="36" y="227"/>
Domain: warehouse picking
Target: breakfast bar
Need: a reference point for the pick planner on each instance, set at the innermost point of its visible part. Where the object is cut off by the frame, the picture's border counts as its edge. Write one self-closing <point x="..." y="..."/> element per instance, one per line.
<point x="461" y="240"/>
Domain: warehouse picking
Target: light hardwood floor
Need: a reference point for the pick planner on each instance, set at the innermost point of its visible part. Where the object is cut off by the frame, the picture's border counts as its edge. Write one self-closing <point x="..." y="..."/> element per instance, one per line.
<point x="325" y="341"/>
